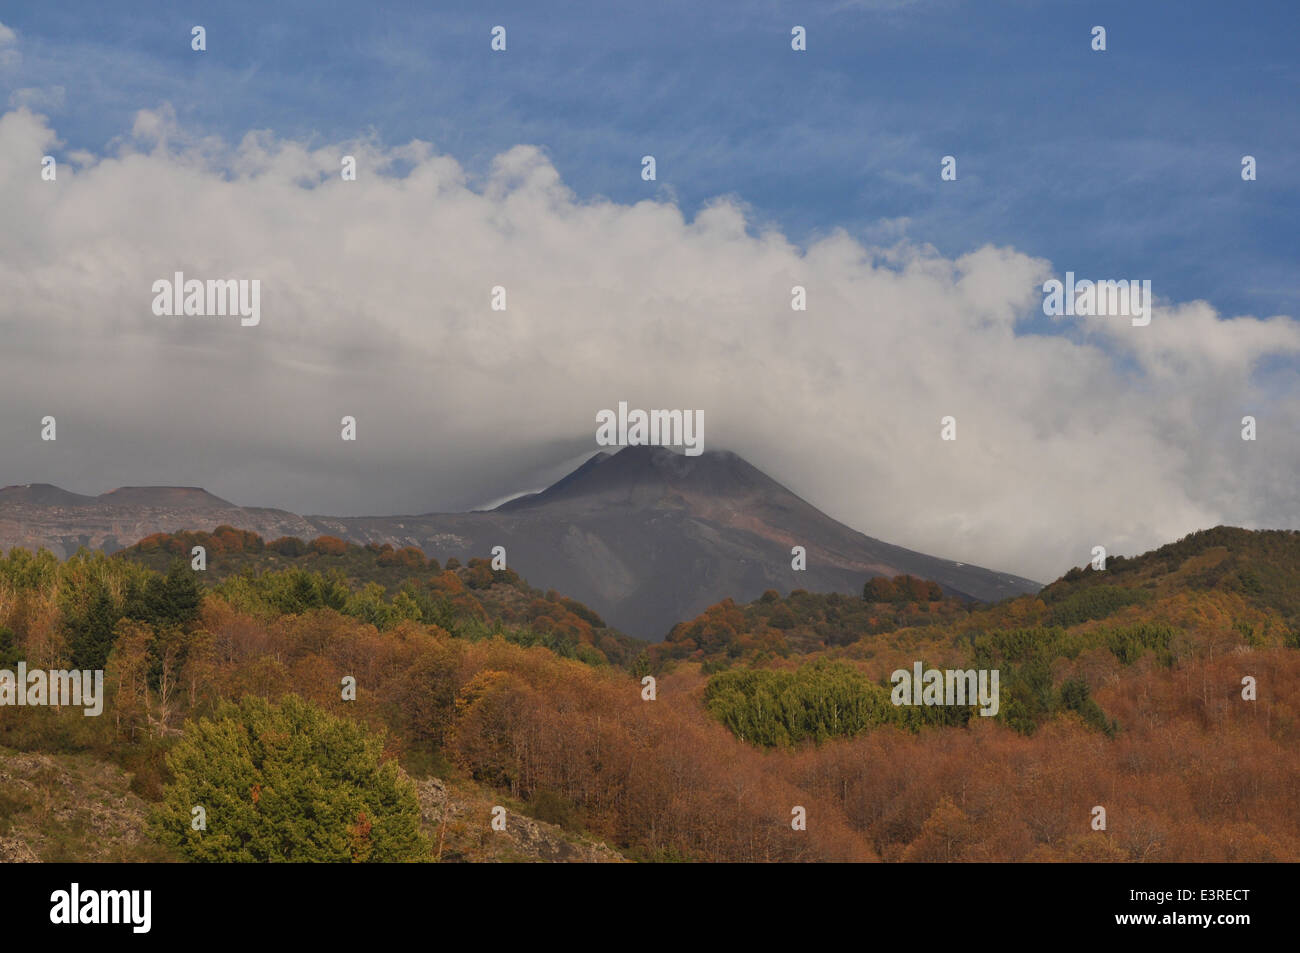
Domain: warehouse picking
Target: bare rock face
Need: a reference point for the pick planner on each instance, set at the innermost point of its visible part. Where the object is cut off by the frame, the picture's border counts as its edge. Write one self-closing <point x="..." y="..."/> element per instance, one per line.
<point x="459" y="825"/>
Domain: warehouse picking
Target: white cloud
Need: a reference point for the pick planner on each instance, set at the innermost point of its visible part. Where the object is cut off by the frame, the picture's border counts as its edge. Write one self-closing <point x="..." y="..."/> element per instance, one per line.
<point x="10" y="58"/>
<point x="375" y="303"/>
<point x="38" y="98"/>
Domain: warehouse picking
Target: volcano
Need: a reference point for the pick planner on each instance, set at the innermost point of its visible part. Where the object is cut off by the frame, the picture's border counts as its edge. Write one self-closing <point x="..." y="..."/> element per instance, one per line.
<point x="645" y="536"/>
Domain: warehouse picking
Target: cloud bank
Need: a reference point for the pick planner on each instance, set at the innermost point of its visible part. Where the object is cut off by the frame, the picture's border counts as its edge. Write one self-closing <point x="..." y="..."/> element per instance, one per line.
<point x="375" y="303"/>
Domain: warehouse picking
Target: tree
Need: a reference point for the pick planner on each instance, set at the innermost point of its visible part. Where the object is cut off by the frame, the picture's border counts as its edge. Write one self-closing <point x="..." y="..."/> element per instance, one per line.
<point x="945" y="833"/>
<point x="10" y="653"/>
<point x="127" y="674"/>
<point x="91" y="638"/>
<point x="329" y="546"/>
<point x="287" y="782"/>
<point x="879" y="589"/>
<point x="290" y="546"/>
<point x="174" y="599"/>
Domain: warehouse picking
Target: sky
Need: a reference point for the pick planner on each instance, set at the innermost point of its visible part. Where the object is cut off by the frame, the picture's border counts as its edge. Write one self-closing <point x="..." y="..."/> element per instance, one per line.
<point x="774" y="167"/>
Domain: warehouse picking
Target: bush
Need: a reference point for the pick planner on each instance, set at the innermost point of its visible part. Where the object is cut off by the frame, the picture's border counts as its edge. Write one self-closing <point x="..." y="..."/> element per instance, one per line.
<point x="782" y="708"/>
<point x="286" y="782"/>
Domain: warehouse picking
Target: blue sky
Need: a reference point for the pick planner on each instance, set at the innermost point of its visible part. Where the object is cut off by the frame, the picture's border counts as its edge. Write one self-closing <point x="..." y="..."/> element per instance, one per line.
<point x="1122" y="163"/>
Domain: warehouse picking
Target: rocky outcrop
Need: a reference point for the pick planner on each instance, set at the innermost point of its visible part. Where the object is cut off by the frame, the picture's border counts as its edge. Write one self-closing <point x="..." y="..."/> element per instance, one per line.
<point x="70" y="808"/>
<point x="460" y="826"/>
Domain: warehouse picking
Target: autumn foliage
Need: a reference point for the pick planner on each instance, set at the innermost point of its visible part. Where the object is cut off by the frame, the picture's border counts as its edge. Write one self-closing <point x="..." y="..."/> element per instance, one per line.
<point x="1134" y="701"/>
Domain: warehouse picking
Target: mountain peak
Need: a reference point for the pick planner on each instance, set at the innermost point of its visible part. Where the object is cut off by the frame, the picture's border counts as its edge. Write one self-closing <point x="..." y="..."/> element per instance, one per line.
<point x="638" y="473"/>
<point x="46" y="494"/>
<point x="171" y="496"/>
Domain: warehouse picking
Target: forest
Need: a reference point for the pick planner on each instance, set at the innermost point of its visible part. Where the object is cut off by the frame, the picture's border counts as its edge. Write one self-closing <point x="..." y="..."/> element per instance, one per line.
<point x="1165" y="689"/>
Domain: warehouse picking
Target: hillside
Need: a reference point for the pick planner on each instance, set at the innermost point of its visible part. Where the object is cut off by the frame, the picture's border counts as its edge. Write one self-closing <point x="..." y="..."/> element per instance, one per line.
<point x="76" y="808"/>
<point x="384" y="586"/>
<point x="1257" y="572"/>
<point x="1167" y="693"/>
<point x="1262" y="566"/>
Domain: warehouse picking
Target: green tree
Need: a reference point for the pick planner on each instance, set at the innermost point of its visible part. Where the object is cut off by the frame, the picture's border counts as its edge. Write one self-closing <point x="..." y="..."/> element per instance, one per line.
<point x="286" y="782"/>
<point x="10" y="654"/>
<point x="817" y="701"/>
<point x="174" y="599"/>
<point x="1075" y="696"/>
<point x="91" y="638"/>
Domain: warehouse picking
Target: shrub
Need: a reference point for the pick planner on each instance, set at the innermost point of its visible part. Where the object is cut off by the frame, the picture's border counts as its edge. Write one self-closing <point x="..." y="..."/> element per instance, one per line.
<point x="286" y="782"/>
